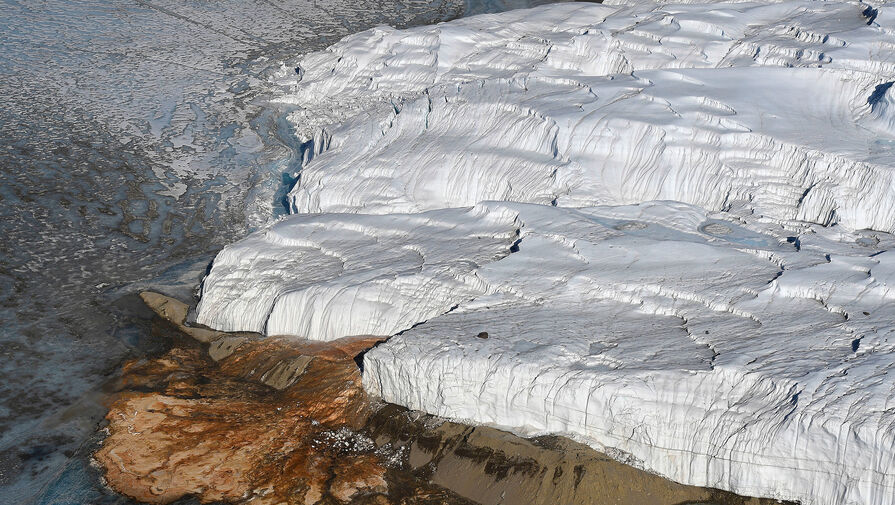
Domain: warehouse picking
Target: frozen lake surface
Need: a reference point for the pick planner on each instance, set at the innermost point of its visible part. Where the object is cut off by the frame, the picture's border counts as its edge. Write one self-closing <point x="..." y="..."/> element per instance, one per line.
<point x="135" y="141"/>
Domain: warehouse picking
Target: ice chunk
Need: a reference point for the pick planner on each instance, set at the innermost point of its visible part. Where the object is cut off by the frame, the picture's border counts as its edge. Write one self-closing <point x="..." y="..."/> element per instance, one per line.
<point x="327" y="276"/>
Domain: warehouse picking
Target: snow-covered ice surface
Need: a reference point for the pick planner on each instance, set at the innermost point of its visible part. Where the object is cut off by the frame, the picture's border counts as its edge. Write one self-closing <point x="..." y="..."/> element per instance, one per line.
<point x="717" y="349"/>
<point x="660" y="213"/>
<point x="334" y="275"/>
<point x="593" y="104"/>
<point x="714" y="352"/>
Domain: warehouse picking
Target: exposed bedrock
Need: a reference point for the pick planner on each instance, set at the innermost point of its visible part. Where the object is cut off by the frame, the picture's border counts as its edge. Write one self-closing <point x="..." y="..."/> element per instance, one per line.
<point x="237" y="431"/>
<point x="492" y="466"/>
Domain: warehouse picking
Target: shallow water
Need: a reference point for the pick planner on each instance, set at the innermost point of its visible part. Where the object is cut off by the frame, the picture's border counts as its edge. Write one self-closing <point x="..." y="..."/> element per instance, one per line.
<point x="134" y="143"/>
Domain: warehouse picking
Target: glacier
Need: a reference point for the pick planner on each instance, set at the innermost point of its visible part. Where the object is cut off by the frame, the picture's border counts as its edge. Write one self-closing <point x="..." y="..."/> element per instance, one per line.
<point x="590" y="104"/>
<point x="344" y="274"/>
<point x="674" y="221"/>
<point x="712" y="352"/>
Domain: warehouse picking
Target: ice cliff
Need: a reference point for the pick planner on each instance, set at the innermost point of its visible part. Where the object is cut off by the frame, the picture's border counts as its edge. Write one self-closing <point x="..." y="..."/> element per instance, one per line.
<point x="713" y="352"/>
<point x="661" y="214"/>
<point x="333" y="275"/>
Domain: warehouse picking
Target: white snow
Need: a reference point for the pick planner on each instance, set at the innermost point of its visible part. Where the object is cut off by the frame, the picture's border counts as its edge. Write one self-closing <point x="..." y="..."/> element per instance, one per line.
<point x="669" y="102"/>
<point x="661" y="214"/>
<point x="709" y="351"/>
<point x="332" y="275"/>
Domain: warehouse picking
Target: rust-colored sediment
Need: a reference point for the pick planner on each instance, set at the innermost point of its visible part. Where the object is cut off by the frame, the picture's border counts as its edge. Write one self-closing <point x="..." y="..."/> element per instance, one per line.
<point x="184" y="425"/>
<point x="279" y="422"/>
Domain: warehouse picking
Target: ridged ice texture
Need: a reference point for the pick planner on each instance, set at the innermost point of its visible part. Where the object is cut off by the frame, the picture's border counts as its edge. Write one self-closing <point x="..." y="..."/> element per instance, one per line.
<point x="327" y="276"/>
<point x="783" y="106"/>
<point x="746" y="350"/>
<point x="714" y="352"/>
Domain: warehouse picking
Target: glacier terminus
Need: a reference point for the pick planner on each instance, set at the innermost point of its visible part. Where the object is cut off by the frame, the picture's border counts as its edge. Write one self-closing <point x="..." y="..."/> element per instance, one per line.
<point x="674" y="221"/>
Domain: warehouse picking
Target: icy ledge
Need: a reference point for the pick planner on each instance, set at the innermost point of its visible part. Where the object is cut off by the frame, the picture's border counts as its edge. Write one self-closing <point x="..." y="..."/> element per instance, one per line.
<point x="715" y="353"/>
<point x="783" y="105"/>
<point x="327" y="276"/>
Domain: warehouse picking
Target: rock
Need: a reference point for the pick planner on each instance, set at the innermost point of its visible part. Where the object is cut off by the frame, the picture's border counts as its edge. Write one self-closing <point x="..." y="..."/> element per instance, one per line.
<point x="176" y="311"/>
<point x="224" y="346"/>
<point x="207" y="431"/>
<point x="487" y="465"/>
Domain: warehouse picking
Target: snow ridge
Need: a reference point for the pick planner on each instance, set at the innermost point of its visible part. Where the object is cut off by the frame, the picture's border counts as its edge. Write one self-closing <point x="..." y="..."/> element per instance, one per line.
<point x="595" y="105"/>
